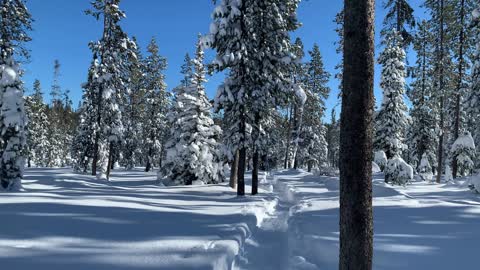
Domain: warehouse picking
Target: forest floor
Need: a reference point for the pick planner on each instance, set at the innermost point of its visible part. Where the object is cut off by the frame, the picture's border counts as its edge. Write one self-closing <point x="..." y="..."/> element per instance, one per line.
<point x="68" y="221"/>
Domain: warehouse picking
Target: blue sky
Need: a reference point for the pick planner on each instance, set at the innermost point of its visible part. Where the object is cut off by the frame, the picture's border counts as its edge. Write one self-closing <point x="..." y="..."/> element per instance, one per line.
<point x="62" y="31"/>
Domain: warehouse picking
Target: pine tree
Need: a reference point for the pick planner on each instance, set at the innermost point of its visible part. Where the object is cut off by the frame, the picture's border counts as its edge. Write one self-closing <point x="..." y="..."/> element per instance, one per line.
<point x="472" y="102"/>
<point x="314" y="133"/>
<point x="463" y="150"/>
<point x="132" y="112"/>
<point x="333" y="140"/>
<point x="399" y="17"/>
<point x="421" y="135"/>
<point x="37" y="137"/>
<point x="83" y="143"/>
<point x="339" y="48"/>
<point x="391" y="120"/>
<point x="187" y="71"/>
<point x="192" y="150"/>
<point x="114" y="51"/>
<point x="157" y="104"/>
<point x="462" y="48"/>
<point x="298" y="101"/>
<point x="441" y="18"/>
<point x="252" y="41"/>
<point x="15" y="22"/>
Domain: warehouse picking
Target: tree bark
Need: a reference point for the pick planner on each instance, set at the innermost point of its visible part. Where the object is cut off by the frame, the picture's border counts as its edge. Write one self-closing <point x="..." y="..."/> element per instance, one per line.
<point x="234" y="171"/>
<point x="242" y="159"/>
<point x="442" y="103"/>
<point x="110" y="160"/>
<point x="255" y="173"/>
<point x="356" y="219"/>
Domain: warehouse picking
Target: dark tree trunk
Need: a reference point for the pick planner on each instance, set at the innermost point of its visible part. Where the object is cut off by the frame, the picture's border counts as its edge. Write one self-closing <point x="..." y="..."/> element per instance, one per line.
<point x="456" y="131"/>
<point x="110" y="160"/>
<point x="442" y="102"/>
<point x="148" y="167"/>
<point x="310" y="166"/>
<point x="242" y="158"/>
<point x="356" y="219"/>
<point x="234" y="171"/>
<point x="255" y="173"/>
<point x="95" y="154"/>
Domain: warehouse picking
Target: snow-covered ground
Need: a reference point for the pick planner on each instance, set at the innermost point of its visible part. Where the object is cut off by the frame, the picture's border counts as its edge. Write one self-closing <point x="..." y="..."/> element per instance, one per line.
<point x="69" y="221"/>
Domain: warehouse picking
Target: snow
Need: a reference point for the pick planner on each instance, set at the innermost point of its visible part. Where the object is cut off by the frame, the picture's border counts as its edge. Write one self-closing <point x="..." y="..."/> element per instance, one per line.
<point x="69" y="221"/>
<point x="476" y="14"/>
<point x="8" y="75"/>
<point x="380" y="158"/>
<point x="465" y="141"/>
<point x="421" y="226"/>
<point x="375" y="168"/>
<point x="398" y="171"/>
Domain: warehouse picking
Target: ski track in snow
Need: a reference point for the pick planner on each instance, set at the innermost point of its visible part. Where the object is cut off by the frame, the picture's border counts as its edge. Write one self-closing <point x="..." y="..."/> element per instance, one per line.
<point x="69" y="221"/>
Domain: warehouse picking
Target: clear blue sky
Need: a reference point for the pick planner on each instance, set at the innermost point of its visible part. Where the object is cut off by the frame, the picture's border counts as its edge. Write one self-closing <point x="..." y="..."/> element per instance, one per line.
<point x="62" y="31"/>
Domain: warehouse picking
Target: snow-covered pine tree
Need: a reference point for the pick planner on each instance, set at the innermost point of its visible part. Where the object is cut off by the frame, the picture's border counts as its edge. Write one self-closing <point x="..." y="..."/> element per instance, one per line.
<point x="462" y="48"/>
<point x="83" y="143"/>
<point x="472" y="103"/>
<point x="333" y="140"/>
<point x="251" y="40"/>
<point x="422" y="138"/>
<point x="463" y="149"/>
<point x="192" y="151"/>
<point x="391" y="120"/>
<point x="114" y="50"/>
<point x="15" y="22"/>
<point x="37" y="139"/>
<point x="313" y="138"/>
<point x="131" y="117"/>
<point x="54" y="153"/>
<point x="299" y="99"/>
<point x="339" y="48"/>
<point x="157" y="104"/>
<point x="401" y="18"/>
<point x="187" y="71"/>
<point x="439" y="22"/>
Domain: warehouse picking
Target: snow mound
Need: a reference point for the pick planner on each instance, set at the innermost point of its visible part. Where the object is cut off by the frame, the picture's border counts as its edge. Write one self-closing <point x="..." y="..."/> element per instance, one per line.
<point x="398" y="172"/>
<point x="380" y="158"/>
<point x="300" y="263"/>
<point x="474" y="183"/>
<point x="375" y="168"/>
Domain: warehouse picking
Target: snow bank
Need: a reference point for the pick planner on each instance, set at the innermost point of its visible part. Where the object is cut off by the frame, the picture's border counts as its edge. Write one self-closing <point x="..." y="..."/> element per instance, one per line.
<point x="474" y="183"/>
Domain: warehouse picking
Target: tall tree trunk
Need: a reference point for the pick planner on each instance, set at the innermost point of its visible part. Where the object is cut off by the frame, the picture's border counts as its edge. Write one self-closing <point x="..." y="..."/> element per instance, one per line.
<point x="234" y="171"/>
<point x="110" y="160"/>
<point x="242" y="158"/>
<point x="255" y="172"/>
<point x="356" y="219"/>
<point x="442" y="102"/>
<point x="456" y="131"/>
<point x="289" y="138"/>
<point x="148" y="167"/>
<point x="95" y="154"/>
